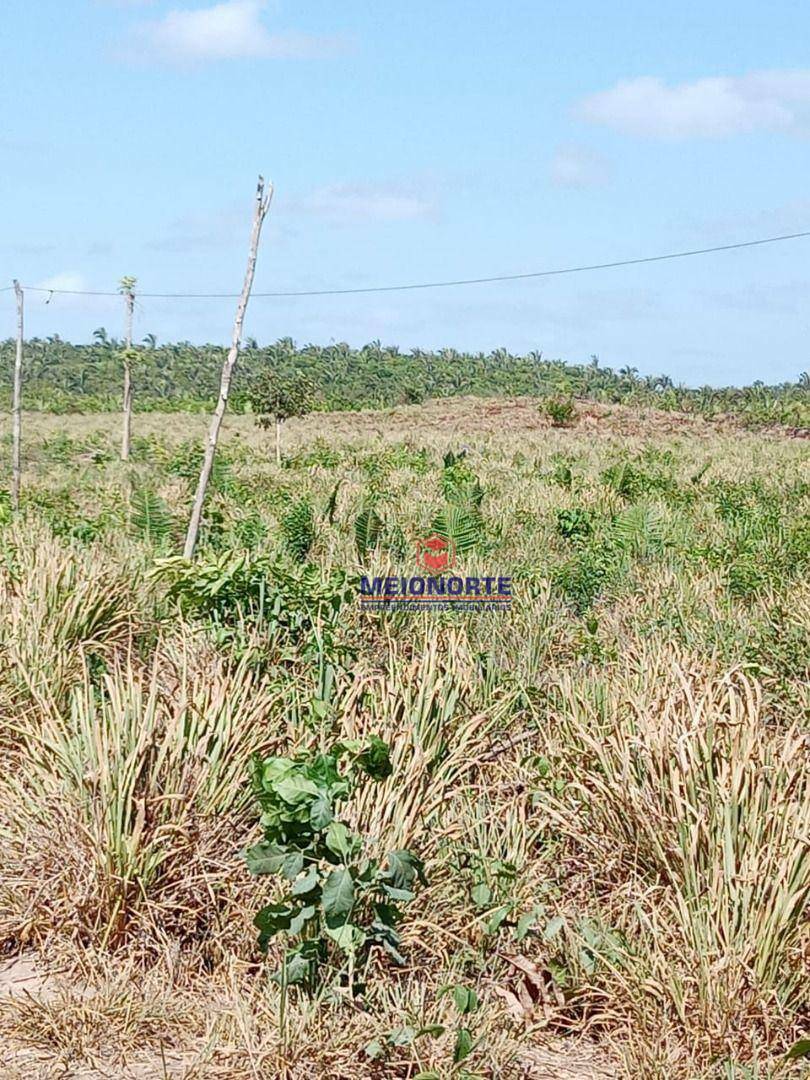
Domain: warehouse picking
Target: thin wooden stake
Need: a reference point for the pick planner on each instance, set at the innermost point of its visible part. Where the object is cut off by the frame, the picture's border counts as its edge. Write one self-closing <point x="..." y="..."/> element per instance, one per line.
<point x="259" y="214"/>
<point x="16" y="414"/>
<point x="128" y="289"/>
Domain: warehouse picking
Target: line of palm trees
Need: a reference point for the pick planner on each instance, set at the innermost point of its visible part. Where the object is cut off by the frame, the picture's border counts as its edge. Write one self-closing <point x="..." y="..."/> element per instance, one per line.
<point x="183" y="374"/>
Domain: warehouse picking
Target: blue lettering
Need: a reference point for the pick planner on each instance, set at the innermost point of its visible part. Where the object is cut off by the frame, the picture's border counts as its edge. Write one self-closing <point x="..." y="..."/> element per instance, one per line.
<point x="371" y="588"/>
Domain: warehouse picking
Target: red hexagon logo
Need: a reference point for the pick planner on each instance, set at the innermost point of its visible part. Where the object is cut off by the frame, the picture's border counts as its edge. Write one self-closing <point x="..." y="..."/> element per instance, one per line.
<point x="435" y="554"/>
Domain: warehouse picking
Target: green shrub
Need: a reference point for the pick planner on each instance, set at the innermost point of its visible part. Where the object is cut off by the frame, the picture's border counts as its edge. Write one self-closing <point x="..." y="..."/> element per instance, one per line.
<point x="559" y="410"/>
<point x="460" y="485"/>
<point x="337" y="898"/>
<point x="583" y="578"/>
<point x="575" y="523"/>
<point x="300" y="606"/>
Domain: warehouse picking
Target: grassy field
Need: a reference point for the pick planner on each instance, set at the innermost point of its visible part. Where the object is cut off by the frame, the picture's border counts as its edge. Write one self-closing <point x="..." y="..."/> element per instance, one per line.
<point x="607" y="786"/>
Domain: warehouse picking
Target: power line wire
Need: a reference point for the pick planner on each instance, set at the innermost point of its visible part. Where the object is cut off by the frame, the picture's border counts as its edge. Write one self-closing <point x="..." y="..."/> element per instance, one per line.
<point x="437" y="284"/>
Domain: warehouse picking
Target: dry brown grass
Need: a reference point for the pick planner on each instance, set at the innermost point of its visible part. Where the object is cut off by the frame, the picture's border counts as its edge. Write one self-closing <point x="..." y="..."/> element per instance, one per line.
<point x="652" y="801"/>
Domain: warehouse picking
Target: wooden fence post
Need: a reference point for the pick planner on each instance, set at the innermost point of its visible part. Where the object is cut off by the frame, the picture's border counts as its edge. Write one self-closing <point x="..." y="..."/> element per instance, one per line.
<point x="128" y="289"/>
<point x="260" y="211"/>
<point x="16" y="413"/>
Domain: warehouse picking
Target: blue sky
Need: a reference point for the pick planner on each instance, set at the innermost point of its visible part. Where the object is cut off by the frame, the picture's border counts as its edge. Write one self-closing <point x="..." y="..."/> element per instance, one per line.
<point x="414" y="142"/>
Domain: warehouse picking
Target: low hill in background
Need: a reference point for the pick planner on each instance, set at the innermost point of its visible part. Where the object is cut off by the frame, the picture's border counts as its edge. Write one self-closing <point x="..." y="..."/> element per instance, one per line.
<point x="62" y="377"/>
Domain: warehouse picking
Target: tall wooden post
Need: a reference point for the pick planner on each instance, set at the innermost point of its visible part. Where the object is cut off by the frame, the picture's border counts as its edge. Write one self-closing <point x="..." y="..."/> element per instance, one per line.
<point x="128" y="288"/>
<point x="16" y="414"/>
<point x="262" y="205"/>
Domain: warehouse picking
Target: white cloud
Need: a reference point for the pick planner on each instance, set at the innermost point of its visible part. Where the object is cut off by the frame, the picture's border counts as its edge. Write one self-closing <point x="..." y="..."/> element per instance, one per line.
<point x="705" y="108"/>
<point x="68" y="280"/>
<point x="575" y="166"/>
<point x="359" y="203"/>
<point x="232" y="30"/>
<point x="71" y="282"/>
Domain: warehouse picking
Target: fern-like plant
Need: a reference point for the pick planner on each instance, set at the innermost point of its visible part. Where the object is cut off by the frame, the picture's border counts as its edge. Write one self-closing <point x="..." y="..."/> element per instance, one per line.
<point x="638" y="530"/>
<point x="462" y="525"/>
<point x="150" y="518"/>
<point x="298" y="530"/>
<point x="368" y="528"/>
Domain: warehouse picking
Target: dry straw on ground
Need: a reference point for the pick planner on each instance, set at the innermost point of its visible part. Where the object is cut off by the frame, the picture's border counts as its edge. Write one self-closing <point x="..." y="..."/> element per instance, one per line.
<point x="631" y="774"/>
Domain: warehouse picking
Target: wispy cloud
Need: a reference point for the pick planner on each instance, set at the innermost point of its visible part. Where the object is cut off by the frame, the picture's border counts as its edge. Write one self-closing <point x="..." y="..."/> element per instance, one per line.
<point x="69" y="280"/>
<point x="704" y="108"/>
<point x="575" y="166"/>
<point x="72" y="281"/>
<point x="28" y="248"/>
<point x="233" y="30"/>
<point x="351" y="204"/>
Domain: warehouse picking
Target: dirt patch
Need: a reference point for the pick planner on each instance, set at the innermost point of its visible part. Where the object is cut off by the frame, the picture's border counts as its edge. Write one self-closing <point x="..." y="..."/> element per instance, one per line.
<point x="24" y="975"/>
<point x="582" y="1061"/>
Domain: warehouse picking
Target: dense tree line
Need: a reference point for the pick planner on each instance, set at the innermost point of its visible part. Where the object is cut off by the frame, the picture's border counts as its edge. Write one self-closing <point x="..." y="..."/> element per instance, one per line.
<point x="60" y="376"/>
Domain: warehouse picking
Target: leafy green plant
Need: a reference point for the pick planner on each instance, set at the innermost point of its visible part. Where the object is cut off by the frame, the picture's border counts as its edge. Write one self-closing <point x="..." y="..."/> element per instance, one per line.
<point x="562" y="475"/>
<point x="316" y="455"/>
<point x="745" y="576"/>
<point x="465" y="1000"/>
<point x="277" y="397"/>
<point x="368" y="530"/>
<point x="150" y="517"/>
<point x="300" y="606"/>
<point x="559" y="410"/>
<point x="638" y="530"/>
<point x="462" y="525"/>
<point x="583" y="578"/>
<point x="298" y="529"/>
<point x="331" y="504"/>
<point x="379" y="1049"/>
<point x="575" y="523"/>
<point x="337" y="898"/>
<point x="249" y="530"/>
<point x="644" y="476"/>
<point x="186" y="461"/>
<point x="460" y="485"/>
<point x="800" y="1049"/>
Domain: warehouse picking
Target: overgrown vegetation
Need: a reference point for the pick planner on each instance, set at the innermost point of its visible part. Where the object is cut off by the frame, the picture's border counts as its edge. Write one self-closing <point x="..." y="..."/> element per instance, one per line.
<point x="476" y="838"/>
<point x="282" y="379"/>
